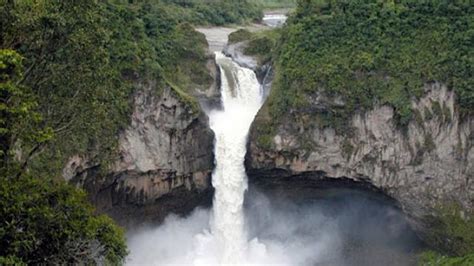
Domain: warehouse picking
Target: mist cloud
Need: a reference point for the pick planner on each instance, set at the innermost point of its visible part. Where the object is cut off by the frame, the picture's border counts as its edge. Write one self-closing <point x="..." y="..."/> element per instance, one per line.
<point x="349" y="229"/>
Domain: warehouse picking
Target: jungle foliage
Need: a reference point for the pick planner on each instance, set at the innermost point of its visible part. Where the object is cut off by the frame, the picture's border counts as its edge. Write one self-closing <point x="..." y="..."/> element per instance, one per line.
<point x="82" y="61"/>
<point x="366" y="53"/>
<point x="336" y="58"/>
<point x="211" y="12"/>
<point x="273" y="4"/>
<point x="260" y="44"/>
<point x="453" y="233"/>
<point x="43" y="221"/>
<point x="48" y="222"/>
<point x="67" y="73"/>
<point x="435" y="259"/>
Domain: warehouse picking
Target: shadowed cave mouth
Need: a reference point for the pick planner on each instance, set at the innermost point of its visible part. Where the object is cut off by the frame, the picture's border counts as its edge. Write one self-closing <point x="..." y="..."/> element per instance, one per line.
<point x="330" y="221"/>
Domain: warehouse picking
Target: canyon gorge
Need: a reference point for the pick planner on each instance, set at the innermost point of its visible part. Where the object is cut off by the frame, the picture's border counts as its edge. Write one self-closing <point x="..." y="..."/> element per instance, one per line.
<point x="236" y="133"/>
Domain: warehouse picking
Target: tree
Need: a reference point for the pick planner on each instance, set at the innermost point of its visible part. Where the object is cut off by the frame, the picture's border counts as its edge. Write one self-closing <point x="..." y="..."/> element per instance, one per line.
<point x="19" y="121"/>
<point x="48" y="222"/>
<point x="41" y="220"/>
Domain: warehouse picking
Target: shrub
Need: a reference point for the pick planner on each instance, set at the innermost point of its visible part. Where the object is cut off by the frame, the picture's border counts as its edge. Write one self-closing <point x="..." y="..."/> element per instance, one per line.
<point x="452" y="230"/>
<point x="239" y="36"/>
<point x="431" y="258"/>
<point x="43" y="221"/>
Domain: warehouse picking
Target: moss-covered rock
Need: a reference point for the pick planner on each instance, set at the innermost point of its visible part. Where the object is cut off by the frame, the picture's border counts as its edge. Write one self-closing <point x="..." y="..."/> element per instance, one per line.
<point x="452" y="230"/>
<point x="239" y="35"/>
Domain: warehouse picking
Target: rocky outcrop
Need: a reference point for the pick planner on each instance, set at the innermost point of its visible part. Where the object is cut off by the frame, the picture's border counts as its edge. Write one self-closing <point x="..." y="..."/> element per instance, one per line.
<point x="164" y="165"/>
<point x="430" y="162"/>
<point x="264" y="72"/>
<point x="210" y="98"/>
<point x="236" y="51"/>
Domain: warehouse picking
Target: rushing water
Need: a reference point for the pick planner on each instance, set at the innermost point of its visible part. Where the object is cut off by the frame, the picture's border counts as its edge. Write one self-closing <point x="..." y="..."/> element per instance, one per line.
<point x="241" y="99"/>
<point x="349" y="230"/>
<point x="225" y="240"/>
<point x="274" y="20"/>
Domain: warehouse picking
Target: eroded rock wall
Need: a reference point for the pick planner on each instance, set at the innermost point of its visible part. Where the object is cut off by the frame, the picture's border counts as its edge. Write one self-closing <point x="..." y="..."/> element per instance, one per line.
<point x="429" y="163"/>
<point x="164" y="165"/>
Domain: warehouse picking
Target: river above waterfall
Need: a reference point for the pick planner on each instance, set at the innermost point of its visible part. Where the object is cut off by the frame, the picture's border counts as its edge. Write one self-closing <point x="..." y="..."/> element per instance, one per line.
<point x="217" y="36"/>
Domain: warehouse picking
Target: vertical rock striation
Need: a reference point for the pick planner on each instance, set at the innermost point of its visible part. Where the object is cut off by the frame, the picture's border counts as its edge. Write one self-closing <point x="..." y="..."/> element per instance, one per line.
<point x="429" y="163"/>
<point x="164" y="165"/>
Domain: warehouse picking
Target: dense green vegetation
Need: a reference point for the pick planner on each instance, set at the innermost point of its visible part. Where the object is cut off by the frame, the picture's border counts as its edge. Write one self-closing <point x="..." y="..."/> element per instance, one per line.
<point x="260" y="44"/>
<point x="335" y="58"/>
<point x="82" y="61"/>
<point x="452" y="233"/>
<point x="71" y="75"/>
<point x="42" y="221"/>
<point x="365" y="53"/>
<point x="18" y="120"/>
<point x="218" y="12"/>
<point x="459" y="229"/>
<point x="68" y="70"/>
<point x="272" y="4"/>
<point x="434" y="259"/>
<point x="46" y="222"/>
<point x="239" y="36"/>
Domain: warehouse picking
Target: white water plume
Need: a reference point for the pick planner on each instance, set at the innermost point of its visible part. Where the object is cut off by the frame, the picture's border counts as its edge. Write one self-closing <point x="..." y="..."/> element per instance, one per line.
<point x="288" y="234"/>
<point x="226" y="242"/>
<point x="241" y="99"/>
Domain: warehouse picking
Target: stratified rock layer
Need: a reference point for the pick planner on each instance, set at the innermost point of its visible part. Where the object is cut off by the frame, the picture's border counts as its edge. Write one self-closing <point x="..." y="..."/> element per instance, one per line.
<point x="429" y="163"/>
<point x="165" y="164"/>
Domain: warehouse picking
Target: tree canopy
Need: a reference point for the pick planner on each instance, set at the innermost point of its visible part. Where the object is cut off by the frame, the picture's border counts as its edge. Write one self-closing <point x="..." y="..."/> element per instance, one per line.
<point x="374" y="52"/>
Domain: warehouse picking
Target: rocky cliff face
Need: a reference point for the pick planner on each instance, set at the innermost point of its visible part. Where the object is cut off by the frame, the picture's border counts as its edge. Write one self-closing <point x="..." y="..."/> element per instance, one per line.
<point x="165" y="162"/>
<point x="429" y="163"/>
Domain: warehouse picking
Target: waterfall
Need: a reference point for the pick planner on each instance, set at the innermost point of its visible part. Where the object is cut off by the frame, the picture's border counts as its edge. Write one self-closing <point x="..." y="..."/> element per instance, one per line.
<point x="241" y="99"/>
<point x="289" y="234"/>
<point x="219" y="236"/>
